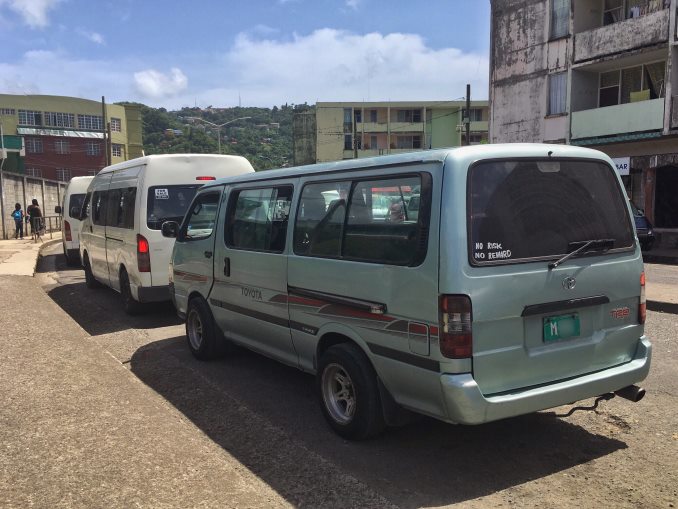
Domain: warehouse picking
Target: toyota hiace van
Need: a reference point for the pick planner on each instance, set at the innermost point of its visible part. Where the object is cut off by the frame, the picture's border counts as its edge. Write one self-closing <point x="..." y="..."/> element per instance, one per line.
<point x="71" y="207"/>
<point x="120" y="242"/>
<point x="469" y="284"/>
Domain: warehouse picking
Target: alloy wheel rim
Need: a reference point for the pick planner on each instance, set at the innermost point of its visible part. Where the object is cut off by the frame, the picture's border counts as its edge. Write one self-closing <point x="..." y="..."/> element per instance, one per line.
<point x="194" y="329"/>
<point x="338" y="393"/>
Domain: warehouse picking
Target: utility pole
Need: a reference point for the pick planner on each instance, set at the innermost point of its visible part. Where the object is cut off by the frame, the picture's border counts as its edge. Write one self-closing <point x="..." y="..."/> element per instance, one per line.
<point x="103" y="123"/>
<point x="467" y="118"/>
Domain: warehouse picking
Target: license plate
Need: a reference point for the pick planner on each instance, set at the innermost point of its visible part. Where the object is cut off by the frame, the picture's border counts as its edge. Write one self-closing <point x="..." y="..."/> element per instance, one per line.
<point x="561" y="327"/>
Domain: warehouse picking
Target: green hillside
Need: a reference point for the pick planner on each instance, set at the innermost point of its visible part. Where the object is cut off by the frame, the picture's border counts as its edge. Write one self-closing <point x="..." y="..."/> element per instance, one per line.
<point x="265" y="139"/>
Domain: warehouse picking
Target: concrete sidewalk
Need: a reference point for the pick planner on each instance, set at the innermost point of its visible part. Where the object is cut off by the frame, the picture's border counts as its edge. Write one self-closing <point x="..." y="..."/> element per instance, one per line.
<point x="18" y="257"/>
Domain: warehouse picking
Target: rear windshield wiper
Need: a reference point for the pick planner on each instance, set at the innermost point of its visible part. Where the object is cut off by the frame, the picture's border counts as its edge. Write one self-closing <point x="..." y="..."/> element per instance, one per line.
<point x="584" y="246"/>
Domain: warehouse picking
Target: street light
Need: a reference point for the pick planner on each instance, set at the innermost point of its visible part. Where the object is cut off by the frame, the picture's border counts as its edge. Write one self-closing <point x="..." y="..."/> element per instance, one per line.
<point x="218" y="126"/>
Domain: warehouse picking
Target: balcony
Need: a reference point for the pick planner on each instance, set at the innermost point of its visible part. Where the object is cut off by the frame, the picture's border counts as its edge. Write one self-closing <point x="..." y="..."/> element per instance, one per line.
<point x="372" y="127"/>
<point x="623" y="36"/>
<point x="620" y="119"/>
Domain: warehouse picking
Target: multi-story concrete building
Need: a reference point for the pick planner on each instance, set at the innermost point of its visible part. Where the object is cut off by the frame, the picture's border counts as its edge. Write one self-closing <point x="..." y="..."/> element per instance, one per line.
<point x="595" y="73"/>
<point x="63" y="137"/>
<point x="349" y="130"/>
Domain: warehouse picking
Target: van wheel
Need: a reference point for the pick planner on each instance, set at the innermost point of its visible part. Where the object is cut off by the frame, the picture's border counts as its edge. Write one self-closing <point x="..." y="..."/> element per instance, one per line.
<point x="348" y="391"/>
<point x="90" y="280"/>
<point x="204" y="339"/>
<point x="131" y="306"/>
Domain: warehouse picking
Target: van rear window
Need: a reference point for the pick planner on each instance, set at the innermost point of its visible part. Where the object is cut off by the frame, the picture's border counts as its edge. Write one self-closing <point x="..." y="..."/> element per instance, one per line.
<point x="75" y="201"/>
<point x="528" y="210"/>
<point x="168" y="203"/>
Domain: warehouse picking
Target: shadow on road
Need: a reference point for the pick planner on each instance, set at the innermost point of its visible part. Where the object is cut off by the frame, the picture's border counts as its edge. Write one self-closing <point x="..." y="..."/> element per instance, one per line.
<point x="47" y="263"/>
<point x="265" y="414"/>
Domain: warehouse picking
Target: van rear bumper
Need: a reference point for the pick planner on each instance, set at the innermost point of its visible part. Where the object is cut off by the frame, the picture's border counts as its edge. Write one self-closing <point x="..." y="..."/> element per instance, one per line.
<point x="465" y="404"/>
<point x="153" y="293"/>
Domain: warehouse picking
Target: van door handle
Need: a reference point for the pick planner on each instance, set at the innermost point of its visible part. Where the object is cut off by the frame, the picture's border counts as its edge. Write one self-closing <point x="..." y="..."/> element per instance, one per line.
<point x="227" y="267"/>
<point x="208" y="254"/>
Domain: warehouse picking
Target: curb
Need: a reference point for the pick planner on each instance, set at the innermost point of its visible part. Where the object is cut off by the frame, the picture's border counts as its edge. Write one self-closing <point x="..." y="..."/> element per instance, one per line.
<point x="660" y="259"/>
<point x="662" y="307"/>
<point x="44" y="245"/>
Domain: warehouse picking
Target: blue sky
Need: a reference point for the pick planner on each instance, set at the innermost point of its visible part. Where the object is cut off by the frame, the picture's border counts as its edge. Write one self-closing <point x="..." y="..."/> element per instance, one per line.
<point x="174" y="53"/>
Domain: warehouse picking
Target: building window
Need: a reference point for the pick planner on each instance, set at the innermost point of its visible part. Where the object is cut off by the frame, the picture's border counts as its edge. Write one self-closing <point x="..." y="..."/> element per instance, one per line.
<point x="373" y="116"/>
<point x="348" y="142"/>
<point x="116" y="124"/>
<point x="63" y="174"/>
<point x="409" y="116"/>
<point x="34" y="146"/>
<point x="632" y="84"/>
<point x="93" y="148"/>
<point x="408" y="142"/>
<point x="7" y="111"/>
<point x="475" y="116"/>
<point x="557" y="93"/>
<point x="374" y="145"/>
<point x="560" y="18"/>
<point x="59" y="119"/>
<point x="476" y="139"/>
<point x="27" y="117"/>
<point x="116" y="149"/>
<point x="33" y="172"/>
<point x="91" y="122"/>
<point x="62" y="147"/>
<point x="358" y="114"/>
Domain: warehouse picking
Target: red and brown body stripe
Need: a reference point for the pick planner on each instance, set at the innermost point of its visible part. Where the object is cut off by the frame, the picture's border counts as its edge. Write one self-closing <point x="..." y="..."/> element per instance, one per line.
<point x="189" y="276"/>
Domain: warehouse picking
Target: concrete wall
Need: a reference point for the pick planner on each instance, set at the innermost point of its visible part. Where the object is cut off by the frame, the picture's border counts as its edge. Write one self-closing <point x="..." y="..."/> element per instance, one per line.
<point x="304" y="137"/>
<point x="22" y="190"/>
<point x="584" y="90"/>
<point x="522" y="57"/>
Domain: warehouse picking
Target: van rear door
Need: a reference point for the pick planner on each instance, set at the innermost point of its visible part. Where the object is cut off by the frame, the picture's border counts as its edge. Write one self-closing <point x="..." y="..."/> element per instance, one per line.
<point x="535" y="320"/>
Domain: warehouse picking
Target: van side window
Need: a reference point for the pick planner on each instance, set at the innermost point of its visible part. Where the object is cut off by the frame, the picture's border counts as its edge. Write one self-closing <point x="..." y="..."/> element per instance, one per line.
<point x="99" y="207"/>
<point x="257" y="219"/>
<point x="120" y="212"/>
<point x="382" y="221"/>
<point x="381" y="226"/>
<point x="85" y="212"/>
<point x="202" y="216"/>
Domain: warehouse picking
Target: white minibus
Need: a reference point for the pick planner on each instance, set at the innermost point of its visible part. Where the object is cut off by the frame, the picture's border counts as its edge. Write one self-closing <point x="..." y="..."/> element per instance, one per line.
<point x="70" y="208"/>
<point x="468" y="284"/>
<point x="120" y="241"/>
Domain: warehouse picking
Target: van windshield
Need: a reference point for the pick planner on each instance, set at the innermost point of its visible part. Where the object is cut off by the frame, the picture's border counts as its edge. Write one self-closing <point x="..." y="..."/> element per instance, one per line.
<point x="528" y="210"/>
<point x="168" y="203"/>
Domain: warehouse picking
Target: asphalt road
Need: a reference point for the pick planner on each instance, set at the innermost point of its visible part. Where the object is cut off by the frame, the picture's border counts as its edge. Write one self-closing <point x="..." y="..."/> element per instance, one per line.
<point x="266" y="415"/>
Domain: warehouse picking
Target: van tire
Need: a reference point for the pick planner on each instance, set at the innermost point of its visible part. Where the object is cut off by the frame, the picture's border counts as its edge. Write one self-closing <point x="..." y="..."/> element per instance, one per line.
<point x="344" y="371"/>
<point x="90" y="280"/>
<point x="202" y="335"/>
<point x="131" y="306"/>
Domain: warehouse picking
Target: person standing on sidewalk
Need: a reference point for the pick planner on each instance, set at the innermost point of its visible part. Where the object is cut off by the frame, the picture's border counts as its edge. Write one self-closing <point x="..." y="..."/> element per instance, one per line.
<point x="18" y="216"/>
<point x="35" y="215"/>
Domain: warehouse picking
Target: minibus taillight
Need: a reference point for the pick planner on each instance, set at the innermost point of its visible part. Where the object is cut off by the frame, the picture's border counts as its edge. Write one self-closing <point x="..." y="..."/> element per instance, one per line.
<point x="642" y="306"/>
<point x="204" y="177"/>
<point x="67" y="231"/>
<point x="143" y="254"/>
<point x="456" y="338"/>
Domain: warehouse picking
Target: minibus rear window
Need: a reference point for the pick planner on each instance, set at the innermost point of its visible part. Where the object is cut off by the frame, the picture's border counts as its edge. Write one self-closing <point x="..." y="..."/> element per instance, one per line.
<point x="527" y="210"/>
<point x="168" y="203"/>
<point x="75" y="201"/>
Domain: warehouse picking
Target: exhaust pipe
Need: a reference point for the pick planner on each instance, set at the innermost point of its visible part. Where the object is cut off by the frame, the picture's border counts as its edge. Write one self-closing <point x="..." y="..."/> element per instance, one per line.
<point x="632" y="393"/>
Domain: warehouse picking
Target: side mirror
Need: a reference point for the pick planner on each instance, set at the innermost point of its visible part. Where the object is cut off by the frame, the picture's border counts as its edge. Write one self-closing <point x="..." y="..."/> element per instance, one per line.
<point x="75" y="212"/>
<point x="57" y="209"/>
<point x="170" y="229"/>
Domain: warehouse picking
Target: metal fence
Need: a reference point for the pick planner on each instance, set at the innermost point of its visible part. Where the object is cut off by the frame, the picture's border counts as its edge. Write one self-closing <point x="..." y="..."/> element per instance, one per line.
<point x="22" y="189"/>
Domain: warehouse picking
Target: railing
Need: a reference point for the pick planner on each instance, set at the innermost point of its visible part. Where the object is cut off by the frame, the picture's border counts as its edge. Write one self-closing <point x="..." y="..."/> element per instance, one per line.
<point x="43" y="225"/>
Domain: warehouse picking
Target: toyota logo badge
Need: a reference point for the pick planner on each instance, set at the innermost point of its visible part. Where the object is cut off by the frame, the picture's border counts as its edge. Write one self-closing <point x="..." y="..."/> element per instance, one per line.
<point x="569" y="283"/>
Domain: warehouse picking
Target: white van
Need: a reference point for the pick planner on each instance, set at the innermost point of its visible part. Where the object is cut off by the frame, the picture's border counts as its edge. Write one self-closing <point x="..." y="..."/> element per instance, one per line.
<point x="120" y="241"/>
<point x="70" y="208"/>
<point x="468" y="284"/>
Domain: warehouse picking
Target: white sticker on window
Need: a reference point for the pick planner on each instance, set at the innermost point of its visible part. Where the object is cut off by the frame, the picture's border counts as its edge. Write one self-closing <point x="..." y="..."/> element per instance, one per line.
<point x="161" y="194"/>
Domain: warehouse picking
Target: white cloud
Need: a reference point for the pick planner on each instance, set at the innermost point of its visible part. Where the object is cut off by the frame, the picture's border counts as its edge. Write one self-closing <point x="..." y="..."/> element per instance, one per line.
<point x="155" y="85"/>
<point x="334" y="65"/>
<point x="94" y="37"/>
<point x="34" y="12"/>
<point x="353" y="4"/>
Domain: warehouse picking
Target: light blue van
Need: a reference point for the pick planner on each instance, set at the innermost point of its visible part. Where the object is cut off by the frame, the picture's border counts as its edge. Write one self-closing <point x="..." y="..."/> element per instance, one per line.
<point x="468" y="284"/>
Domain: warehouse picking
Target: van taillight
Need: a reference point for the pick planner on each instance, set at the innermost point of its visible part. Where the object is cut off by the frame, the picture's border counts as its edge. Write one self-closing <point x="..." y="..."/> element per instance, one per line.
<point x="67" y="231"/>
<point x="642" y="306"/>
<point x="204" y="177"/>
<point x="143" y="254"/>
<point x="456" y="338"/>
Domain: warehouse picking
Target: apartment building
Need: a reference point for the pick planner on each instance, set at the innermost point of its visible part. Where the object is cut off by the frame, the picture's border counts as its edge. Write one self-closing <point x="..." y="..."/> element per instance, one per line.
<point x="63" y="137"/>
<point x="350" y="130"/>
<point x="595" y="73"/>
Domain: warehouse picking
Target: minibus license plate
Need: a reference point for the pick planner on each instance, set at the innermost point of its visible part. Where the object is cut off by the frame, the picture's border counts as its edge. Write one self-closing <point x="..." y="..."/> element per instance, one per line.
<point x="561" y="327"/>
